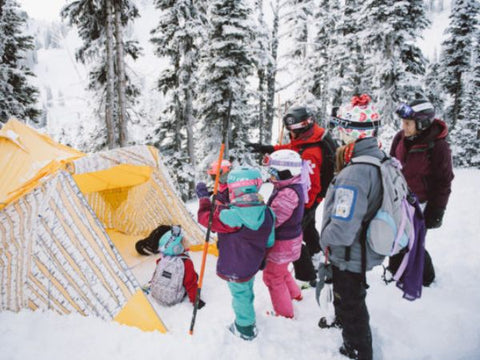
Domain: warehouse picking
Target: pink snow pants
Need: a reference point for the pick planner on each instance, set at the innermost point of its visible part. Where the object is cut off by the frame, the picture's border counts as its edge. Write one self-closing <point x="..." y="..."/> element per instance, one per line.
<point x="282" y="288"/>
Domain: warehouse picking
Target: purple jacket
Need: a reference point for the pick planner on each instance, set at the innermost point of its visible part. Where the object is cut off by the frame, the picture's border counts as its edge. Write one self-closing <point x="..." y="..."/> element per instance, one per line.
<point x="242" y="252"/>
<point x="427" y="163"/>
<point x="288" y="203"/>
<point x="292" y="226"/>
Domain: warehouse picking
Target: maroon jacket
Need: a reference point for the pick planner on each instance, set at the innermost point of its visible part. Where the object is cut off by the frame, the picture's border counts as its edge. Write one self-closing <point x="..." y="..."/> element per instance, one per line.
<point x="427" y="163"/>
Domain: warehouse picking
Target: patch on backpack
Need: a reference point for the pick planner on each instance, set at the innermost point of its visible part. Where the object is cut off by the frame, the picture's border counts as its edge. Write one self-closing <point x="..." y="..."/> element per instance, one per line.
<point x="344" y="205"/>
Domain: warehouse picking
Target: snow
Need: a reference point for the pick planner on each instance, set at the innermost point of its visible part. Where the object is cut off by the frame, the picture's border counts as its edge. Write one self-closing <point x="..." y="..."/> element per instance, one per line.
<point x="444" y="324"/>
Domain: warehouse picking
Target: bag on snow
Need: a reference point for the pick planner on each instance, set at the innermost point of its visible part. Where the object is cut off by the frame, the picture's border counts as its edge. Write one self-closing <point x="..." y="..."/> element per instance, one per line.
<point x="398" y="225"/>
<point x="167" y="281"/>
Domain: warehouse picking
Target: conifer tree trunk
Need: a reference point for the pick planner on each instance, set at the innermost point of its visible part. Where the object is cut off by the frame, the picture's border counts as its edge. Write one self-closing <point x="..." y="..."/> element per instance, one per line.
<point x="121" y="78"/>
<point x="110" y="88"/>
<point x="271" y="76"/>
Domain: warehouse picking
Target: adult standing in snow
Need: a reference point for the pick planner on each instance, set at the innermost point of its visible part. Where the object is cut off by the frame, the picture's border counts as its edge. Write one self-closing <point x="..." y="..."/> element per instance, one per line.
<point x="425" y="155"/>
<point x="305" y="135"/>
<point x="354" y="195"/>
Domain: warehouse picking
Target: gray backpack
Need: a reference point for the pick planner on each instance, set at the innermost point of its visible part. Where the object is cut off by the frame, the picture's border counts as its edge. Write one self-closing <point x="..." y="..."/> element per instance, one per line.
<point x="167" y="282"/>
<point x="391" y="229"/>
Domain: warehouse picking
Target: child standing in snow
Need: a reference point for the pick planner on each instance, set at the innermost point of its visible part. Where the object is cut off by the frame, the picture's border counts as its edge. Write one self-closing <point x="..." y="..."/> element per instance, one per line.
<point x="174" y="276"/>
<point x="245" y="230"/>
<point x="222" y="194"/>
<point x="287" y="201"/>
<point x="353" y="196"/>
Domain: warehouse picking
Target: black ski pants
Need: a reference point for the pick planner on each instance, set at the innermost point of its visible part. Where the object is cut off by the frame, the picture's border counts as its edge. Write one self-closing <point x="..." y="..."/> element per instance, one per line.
<point x="304" y="269"/>
<point x="351" y="310"/>
<point x="428" y="269"/>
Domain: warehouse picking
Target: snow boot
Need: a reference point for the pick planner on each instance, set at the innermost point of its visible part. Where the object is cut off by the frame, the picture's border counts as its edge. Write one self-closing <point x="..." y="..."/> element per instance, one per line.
<point x="244" y="332"/>
<point x="323" y="323"/>
<point x="348" y="351"/>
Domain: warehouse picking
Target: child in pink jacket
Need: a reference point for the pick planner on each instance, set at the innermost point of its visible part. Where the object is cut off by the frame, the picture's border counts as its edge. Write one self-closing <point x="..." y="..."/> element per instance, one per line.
<point x="287" y="201"/>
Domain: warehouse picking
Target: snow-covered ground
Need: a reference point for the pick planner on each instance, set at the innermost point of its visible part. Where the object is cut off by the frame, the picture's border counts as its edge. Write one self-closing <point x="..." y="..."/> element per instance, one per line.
<point x="443" y="325"/>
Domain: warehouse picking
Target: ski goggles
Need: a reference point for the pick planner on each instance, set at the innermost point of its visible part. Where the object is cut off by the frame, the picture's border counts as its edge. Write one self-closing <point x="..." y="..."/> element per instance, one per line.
<point x="268" y="161"/>
<point x="405" y="111"/>
<point x="291" y="125"/>
<point x="355" y="125"/>
<point x="273" y="172"/>
<point x="174" y="234"/>
<point x="176" y="230"/>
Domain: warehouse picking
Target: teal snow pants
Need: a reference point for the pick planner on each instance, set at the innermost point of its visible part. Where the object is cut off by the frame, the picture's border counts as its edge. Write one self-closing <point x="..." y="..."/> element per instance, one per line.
<point x="242" y="302"/>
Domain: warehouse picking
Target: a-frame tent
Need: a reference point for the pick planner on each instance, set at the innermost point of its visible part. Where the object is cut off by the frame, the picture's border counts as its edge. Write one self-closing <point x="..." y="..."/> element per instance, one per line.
<point x="67" y="224"/>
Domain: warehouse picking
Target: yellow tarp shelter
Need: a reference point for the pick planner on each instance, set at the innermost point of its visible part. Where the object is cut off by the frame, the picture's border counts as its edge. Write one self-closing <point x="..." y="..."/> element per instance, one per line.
<point x="68" y="222"/>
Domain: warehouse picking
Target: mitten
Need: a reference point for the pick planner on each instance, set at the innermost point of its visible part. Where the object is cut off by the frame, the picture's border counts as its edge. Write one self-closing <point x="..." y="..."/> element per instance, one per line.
<point x="201" y="304"/>
<point x="433" y="217"/>
<point x="260" y="148"/>
<point x="201" y="190"/>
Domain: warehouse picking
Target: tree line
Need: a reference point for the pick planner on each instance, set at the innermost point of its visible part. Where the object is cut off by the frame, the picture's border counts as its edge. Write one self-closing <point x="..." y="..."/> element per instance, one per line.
<point x="226" y="69"/>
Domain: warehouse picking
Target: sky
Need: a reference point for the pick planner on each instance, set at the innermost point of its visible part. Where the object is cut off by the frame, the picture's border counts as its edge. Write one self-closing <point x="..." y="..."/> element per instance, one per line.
<point x="43" y="9"/>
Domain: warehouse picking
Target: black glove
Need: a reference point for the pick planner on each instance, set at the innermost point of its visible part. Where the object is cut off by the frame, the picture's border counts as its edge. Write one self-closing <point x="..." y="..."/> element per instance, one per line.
<point x="260" y="148"/>
<point x="433" y="217"/>
<point x="201" y="304"/>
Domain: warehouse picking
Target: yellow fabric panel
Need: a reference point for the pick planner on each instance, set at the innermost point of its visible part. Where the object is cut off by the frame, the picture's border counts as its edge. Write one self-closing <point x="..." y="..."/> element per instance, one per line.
<point x="125" y="245"/>
<point x="212" y="248"/>
<point x="139" y="312"/>
<point x="25" y="157"/>
<point x="121" y="176"/>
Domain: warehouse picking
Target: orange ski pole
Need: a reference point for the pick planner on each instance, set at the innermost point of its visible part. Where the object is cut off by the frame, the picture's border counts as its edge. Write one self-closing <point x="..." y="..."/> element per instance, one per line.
<point x="207" y="238"/>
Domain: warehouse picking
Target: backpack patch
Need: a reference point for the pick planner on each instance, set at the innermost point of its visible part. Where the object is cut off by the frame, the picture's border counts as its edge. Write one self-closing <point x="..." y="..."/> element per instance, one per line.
<point x="167" y="281"/>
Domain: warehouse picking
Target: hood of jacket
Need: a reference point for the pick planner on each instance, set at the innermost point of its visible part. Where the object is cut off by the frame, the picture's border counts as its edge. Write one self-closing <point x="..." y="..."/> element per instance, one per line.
<point x="250" y="216"/>
<point x="368" y="146"/>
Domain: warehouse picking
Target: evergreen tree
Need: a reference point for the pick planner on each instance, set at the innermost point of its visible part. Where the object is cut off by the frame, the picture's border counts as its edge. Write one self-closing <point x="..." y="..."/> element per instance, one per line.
<point x="100" y="25"/>
<point x="434" y="89"/>
<point x="178" y="37"/>
<point x="17" y="96"/>
<point x="227" y="66"/>
<point x="457" y="53"/>
<point x="271" y="76"/>
<point x="466" y="135"/>
<point x="297" y="20"/>
<point x="397" y="65"/>
<point x="317" y="80"/>
<point x="263" y="62"/>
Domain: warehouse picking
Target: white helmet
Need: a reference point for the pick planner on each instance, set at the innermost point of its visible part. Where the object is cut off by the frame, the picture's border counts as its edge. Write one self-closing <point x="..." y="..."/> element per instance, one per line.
<point x="282" y="160"/>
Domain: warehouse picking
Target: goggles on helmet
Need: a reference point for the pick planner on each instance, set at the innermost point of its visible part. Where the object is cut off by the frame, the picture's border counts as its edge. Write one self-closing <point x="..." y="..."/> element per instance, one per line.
<point x="273" y="173"/>
<point x="268" y="161"/>
<point x="175" y="232"/>
<point x="291" y="124"/>
<point x="354" y="125"/>
<point x="404" y="111"/>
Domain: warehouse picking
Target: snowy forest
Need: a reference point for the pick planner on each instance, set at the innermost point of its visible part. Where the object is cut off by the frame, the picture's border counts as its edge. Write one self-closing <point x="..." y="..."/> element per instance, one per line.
<point x="186" y="75"/>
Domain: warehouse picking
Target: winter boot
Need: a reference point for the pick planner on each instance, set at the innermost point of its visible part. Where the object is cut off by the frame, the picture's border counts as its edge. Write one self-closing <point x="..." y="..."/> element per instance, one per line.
<point x="323" y="324"/>
<point x="349" y="351"/>
<point x="244" y="332"/>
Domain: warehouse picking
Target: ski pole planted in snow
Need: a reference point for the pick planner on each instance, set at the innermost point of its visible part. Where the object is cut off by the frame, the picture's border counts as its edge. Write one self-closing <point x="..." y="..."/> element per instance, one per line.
<point x="207" y="238"/>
